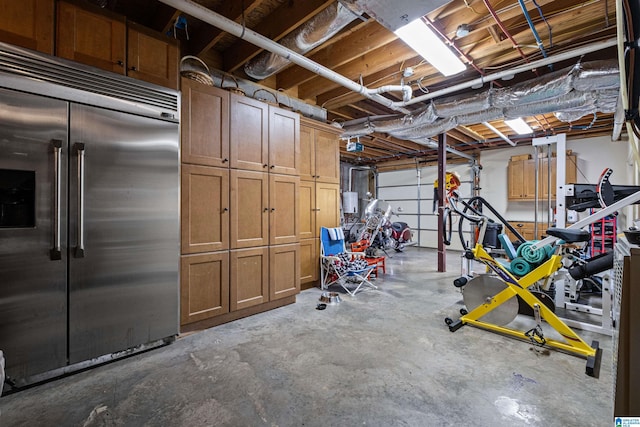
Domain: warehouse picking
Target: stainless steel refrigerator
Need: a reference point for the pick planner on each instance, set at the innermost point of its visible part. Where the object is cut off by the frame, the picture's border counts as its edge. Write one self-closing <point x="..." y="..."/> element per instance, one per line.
<point x="89" y="215"/>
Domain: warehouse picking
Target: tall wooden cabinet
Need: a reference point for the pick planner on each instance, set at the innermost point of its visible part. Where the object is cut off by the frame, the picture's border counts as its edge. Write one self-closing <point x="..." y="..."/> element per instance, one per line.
<point x="319" y="192"/>
<point x="522" y="179"/>
<point x="240" y="170"/>
<point x="28" y="24"/>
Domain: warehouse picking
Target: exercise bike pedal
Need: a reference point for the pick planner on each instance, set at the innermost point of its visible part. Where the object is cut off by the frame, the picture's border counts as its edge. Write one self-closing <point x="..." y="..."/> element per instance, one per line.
<point x="454" y="325"/>
<point x="593" y="362"/>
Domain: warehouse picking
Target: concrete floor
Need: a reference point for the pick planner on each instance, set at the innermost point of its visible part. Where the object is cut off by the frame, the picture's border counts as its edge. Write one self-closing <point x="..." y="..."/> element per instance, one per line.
<point x="382" y="358"/>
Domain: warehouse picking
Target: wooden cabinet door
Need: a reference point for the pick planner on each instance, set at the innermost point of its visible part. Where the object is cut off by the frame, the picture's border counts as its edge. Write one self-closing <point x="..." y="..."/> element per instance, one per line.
<point x="205" y="124"/>
<point x="309" y="263"/>
<point x="152" y="57"/>
<point x="205" y="209"/>
<point x="307" y="168"/>
<point x="529" y="179"/>
<point x="249" y="133"/>
<point x="327" y="206"/>
<point x="515" y="180"/>
<point x="28" y="23"/>
<point x="327" y="156"/>
<point x="284" y="271"/>
<point x="92" y="38"/>
<point x="249" y="284"/>
<point x="284" y="141"/>
<point x="307" y="201"/>
<point x="249" y="209"/>
<point x="204" y="286"/>
<point x="284" y="209"/>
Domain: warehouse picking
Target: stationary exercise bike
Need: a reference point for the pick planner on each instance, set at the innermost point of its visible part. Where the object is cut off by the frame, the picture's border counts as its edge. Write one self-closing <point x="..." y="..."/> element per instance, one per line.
<point x="493" y="300"/>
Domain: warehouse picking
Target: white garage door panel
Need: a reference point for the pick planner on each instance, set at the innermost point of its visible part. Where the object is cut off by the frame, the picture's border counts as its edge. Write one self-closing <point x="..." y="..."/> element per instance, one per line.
<point x="403" y="177"/>
<point x="397" y="193"/>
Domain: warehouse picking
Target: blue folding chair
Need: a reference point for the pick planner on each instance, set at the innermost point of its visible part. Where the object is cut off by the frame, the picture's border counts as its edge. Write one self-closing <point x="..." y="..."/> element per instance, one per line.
<point x="339" y="266"/>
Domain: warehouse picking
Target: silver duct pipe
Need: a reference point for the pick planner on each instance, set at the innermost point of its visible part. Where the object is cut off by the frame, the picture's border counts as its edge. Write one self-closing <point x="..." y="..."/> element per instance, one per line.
<point x="569" y="93"/>
<point x="198" y="11"/>
<point x="574" y="53"/>
<point x="313" y="33"/>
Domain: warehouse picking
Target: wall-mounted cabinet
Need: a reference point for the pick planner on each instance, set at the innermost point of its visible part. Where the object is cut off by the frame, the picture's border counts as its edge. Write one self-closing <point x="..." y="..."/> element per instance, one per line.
<point x="522" y="178"/>
<point x="28" y="24"/>
<point x="93" y="36"/>
<point x="250" y="209"/>
<point x="249" y="277"/>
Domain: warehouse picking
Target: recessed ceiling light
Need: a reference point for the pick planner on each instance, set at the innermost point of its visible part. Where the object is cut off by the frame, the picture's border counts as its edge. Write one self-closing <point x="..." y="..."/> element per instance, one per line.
<point x="519" y="126"/>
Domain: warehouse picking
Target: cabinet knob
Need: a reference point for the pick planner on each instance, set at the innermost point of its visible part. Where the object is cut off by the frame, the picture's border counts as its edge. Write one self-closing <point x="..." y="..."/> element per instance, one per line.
<point x="133" y="69"/>
<point x="120" y="63"/>
<point x="273" y="166"/>
<point x="225" y="210"/>
<point x="265" y="165"/>
<point x="266" y="210"/>
<point x="273" y="209"/>
<point x="225" y="160"/>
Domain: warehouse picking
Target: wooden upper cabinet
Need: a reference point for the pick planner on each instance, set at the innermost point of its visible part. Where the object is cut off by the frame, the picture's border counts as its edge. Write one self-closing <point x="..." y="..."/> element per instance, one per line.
<point x="284" y="209"/>
<point x="205" y="209"/>
<point x="92" y="38"/>
<point x="319" y="151"/>
<point x="521" y="183"/>
<point x="284" y="141"/>
<point x="249" y="133"/>
<point x="28" y="24"/>
<point x="205" y="124"/>
<point x="152" y="57"/>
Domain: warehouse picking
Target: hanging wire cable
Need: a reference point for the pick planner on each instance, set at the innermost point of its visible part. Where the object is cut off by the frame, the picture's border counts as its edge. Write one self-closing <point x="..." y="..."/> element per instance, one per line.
<point x="535" y="3"/>
<point x="534" y="31"/>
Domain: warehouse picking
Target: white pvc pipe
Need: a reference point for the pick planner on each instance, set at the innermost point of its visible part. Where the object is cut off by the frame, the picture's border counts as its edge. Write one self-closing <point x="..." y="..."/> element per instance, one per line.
<point x="194" y="9"/>
<point x="497" y="132"/>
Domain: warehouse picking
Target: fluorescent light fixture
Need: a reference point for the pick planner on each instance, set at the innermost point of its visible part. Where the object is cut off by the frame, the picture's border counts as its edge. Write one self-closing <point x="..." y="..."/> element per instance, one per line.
<point x="519" y="126"/>
<point x="424" y="41"/>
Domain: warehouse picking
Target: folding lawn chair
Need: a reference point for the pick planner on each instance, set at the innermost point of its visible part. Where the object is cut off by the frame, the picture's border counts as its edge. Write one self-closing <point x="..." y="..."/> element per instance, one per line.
<point x="337" y="265"/>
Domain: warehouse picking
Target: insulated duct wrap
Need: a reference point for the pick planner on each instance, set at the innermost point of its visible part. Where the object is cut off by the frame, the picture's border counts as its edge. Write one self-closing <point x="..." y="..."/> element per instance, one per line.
<point x="570" y="93"/>
<point x="313" y="33"/>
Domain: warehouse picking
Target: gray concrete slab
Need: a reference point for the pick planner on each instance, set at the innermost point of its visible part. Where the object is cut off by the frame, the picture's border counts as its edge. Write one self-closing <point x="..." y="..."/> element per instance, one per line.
<point x="381" y="358"/>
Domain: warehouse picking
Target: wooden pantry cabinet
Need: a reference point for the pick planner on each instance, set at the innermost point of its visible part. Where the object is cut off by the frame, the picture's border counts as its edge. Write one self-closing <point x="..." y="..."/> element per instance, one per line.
<point x="93" y="36"/>
<point x="28" y="24"/>
<point x="521" y="179"/>
<point x="229" y="135"/>
<point x="319" y="192"/>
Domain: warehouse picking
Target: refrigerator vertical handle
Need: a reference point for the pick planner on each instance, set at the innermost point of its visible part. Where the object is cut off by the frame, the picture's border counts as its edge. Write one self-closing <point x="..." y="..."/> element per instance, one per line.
<point x="56" y="253"/>
<point x="79" y="148"/>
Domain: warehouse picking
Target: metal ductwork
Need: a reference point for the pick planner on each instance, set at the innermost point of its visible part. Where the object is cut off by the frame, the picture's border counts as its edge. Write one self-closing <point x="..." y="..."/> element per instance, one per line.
<point x="570" y="93"/>
<point x="311" y="34"/>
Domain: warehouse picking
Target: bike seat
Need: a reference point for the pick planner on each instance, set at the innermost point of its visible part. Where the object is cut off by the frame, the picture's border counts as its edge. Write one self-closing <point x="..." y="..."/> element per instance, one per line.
<point x="569" y="235"/>
<point x="399" y="226"/>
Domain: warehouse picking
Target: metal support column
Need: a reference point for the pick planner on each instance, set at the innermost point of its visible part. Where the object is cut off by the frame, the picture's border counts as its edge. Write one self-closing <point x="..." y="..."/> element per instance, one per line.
<point x="442" y="169"/>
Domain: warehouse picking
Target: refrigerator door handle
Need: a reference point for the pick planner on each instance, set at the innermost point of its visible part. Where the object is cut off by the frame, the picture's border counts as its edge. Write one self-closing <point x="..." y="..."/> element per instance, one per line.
<point x="55" y="253"/>
<point x="79" y="148"/>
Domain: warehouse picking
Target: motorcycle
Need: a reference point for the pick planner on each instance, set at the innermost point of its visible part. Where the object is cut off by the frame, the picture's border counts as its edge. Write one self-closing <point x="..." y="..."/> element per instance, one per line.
<point x="380" y="231"/>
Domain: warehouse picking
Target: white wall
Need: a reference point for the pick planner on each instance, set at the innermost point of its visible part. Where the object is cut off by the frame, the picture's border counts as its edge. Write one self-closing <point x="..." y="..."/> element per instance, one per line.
<point x="593" y="155"/>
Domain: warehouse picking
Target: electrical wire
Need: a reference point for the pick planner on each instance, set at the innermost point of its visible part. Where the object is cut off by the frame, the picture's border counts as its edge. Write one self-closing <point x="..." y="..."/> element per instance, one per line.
<point x="535" y="3"/>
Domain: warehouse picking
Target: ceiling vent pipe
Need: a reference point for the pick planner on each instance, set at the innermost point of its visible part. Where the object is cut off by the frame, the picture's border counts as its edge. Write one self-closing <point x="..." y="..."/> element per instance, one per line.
<point x="309" y="35"/>
<point x="571" y="93"/>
